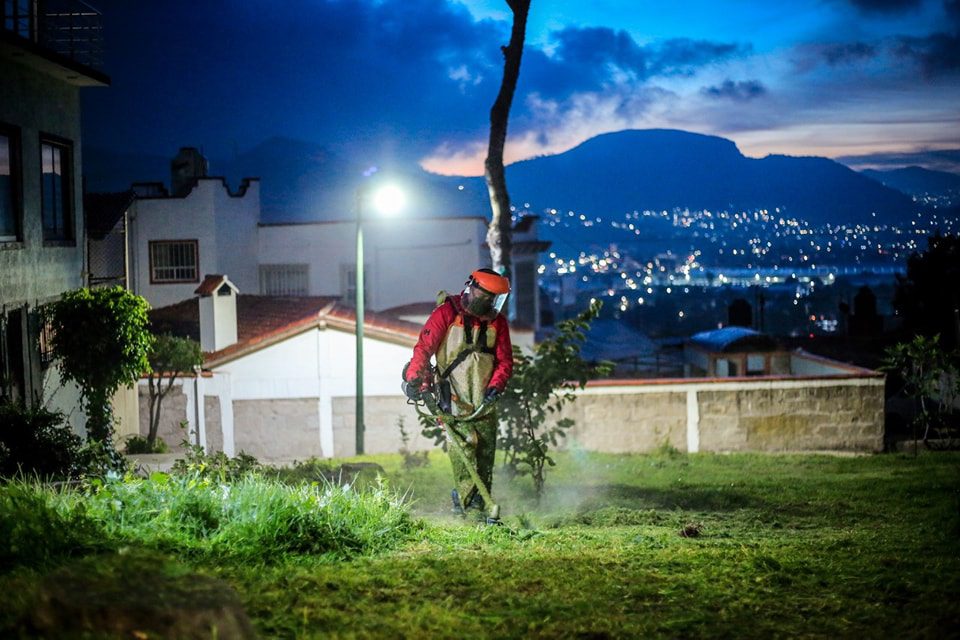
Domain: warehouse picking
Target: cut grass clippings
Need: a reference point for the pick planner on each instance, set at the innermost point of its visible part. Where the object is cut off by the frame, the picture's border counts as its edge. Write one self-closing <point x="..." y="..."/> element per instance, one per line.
<point x="785" y="546"/>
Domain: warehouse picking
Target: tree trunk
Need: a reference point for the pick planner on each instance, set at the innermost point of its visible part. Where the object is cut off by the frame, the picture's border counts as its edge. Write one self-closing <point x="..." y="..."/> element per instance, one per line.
<point x="499" y="232"/>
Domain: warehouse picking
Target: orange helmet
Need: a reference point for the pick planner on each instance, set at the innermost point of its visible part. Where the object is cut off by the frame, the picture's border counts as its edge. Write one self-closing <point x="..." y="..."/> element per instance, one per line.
<point x="485" y="293"/>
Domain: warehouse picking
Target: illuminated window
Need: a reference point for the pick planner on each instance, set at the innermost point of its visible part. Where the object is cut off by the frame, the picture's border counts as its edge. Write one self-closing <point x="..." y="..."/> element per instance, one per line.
<point x="173" y="261"/>
<point x="9" y="184"/>
<point x="56" y="195"/>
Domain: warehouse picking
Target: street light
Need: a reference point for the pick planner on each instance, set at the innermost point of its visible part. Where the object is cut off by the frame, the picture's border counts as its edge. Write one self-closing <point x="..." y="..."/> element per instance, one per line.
<point x="387" y="200"/>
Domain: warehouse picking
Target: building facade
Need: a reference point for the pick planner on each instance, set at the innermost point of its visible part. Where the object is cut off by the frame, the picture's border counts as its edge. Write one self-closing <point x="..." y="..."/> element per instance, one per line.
<point x="199" y="226"/>
<point x="46" y="58"/>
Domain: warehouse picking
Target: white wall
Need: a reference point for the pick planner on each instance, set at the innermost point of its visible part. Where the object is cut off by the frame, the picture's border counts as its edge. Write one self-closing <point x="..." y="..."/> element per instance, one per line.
<point x="407" y="259"/>
<point x="224" y="225"/>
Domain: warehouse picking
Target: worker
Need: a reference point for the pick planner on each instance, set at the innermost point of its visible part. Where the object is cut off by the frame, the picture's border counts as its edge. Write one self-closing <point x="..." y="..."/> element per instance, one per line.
<point x="470" y="340"/>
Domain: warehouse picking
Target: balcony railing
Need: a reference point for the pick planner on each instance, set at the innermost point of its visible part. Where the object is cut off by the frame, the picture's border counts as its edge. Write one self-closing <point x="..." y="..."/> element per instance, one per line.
<point x="71" y="28"/>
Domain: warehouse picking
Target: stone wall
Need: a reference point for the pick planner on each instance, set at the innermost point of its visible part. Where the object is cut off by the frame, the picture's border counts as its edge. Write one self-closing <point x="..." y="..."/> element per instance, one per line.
<point x="382" y="435"/>
<point x="173" y="411"/>
<point x="277" y="430"/>
<point x="628" y="422"/>
<point x="845" y="414"/>
<point x="214" y="423"/>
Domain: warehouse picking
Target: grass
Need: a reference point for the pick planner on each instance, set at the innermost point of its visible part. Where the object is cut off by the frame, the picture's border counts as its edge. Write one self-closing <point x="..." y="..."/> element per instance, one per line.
<point x="810" y="546"/>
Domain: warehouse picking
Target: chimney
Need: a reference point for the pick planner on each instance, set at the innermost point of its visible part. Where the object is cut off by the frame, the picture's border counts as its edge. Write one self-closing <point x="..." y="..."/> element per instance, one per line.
<point x="218" y="312"/>
<point x="185" y="169"/>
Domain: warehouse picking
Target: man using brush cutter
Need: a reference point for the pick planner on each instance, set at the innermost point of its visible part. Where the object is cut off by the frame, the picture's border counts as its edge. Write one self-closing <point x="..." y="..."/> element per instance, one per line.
<point x="470" y="340"/>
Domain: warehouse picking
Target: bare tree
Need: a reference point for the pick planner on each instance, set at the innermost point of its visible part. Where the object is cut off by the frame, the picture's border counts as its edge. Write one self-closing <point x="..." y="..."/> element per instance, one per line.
<point x="499" y="233"/>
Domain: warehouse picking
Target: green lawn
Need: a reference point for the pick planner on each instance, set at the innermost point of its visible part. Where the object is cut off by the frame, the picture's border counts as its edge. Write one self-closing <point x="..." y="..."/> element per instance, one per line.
<point x="789" y="546"/>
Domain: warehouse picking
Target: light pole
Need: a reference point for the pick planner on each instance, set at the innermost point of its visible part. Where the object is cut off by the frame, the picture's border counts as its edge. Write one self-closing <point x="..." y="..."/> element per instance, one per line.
<point x="387" y="200"/>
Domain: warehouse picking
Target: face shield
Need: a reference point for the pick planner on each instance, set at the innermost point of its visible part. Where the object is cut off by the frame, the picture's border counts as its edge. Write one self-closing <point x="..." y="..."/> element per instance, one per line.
<point x="481" y="303"/>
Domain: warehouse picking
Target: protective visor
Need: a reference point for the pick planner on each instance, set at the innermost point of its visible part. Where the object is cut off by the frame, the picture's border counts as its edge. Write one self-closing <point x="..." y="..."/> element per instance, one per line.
<point x="484" y="304"/>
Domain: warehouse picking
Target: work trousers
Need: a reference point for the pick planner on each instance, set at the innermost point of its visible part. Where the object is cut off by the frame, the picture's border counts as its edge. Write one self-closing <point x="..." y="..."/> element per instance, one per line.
<point x="480" y="444"/>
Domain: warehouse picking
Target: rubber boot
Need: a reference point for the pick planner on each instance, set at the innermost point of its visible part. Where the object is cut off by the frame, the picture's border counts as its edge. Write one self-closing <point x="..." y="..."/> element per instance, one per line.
<point x="457" y="506"/>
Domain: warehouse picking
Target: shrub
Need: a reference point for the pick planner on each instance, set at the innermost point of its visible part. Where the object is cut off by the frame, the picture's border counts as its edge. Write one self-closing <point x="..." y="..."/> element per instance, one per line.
<point x="199" y="464"/>
<point x="37" y="441"/>
<point x="100" y="342"/>
<point x="139" y="444"/>
<point x="541" y="384"/>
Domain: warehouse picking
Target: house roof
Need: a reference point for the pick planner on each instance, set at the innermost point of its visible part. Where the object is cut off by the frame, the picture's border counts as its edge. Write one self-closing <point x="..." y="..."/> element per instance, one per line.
<point x="104" y="210"/>
<point x="616" y="341"/>
<point x="733" y="340"/>
<point x="266" y="320"/>
<point x="412" y="309"/>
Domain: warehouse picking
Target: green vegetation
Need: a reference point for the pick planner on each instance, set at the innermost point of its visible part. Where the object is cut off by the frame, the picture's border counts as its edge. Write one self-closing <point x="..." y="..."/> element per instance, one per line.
<point x="170" y="357"/>
<point x="776" y="545"/>
<point x="100" y="341"/>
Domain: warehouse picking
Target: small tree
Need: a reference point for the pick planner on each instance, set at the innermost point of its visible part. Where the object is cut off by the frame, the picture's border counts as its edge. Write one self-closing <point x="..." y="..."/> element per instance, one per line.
<point x="169" y="358"/>
<point x="541" y="384"/>
<point x="100" y="341"/>
<point x="931" y="378"/>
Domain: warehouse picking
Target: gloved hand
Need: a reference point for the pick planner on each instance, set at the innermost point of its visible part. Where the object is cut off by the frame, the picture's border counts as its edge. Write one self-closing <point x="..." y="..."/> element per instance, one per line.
<point x="411" y="390"/>
<point x="492" y="395"/>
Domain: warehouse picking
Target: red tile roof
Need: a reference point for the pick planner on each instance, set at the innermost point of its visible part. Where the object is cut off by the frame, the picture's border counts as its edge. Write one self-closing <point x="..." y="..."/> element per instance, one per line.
<point x="266" y="320"/>
<point x="412" y="309"/>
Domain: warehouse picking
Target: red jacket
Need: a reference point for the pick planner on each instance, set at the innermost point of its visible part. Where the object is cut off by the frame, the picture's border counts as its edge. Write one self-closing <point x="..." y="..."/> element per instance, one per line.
<point x="435" y="331"/>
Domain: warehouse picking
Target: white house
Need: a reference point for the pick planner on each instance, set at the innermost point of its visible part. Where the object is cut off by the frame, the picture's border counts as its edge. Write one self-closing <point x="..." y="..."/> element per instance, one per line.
<point x="200" y="226"/>
<point x="280" y="382"/>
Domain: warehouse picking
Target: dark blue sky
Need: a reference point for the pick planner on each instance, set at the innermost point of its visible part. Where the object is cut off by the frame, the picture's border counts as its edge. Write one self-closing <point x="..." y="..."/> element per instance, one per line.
<point x="416" y="77"/>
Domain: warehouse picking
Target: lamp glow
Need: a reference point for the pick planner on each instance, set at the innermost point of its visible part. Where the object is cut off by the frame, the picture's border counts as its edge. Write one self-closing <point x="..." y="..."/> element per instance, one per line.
<point x="389" y="200"/>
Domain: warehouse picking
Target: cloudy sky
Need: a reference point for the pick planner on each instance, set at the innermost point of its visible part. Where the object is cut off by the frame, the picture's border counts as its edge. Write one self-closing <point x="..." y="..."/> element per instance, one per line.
<point x="837" y="78"/>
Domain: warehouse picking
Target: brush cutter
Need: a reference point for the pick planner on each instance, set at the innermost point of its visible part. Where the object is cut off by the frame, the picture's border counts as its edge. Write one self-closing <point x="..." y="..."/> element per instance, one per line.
<point x="429" y="399"/>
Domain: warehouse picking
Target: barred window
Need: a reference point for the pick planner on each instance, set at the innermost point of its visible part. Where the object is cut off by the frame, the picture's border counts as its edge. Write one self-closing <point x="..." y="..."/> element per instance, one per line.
<point x="174" y="261"/>
<point x="285" y="279"/>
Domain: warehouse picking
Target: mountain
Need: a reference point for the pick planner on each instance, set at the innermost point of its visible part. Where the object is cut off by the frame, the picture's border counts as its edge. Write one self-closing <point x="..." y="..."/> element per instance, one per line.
<point x="608" y="175"/>
<point x="917" y="180"/>
<point x="620" y="172"/>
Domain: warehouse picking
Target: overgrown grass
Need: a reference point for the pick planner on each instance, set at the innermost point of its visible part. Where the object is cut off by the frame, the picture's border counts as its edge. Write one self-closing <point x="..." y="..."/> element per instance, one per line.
<point x="251" y="519"/>
<point x="810" y="546"/>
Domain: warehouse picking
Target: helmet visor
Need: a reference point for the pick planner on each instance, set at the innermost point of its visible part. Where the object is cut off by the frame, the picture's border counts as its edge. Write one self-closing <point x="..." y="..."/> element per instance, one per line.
<point x="484" y="304"/>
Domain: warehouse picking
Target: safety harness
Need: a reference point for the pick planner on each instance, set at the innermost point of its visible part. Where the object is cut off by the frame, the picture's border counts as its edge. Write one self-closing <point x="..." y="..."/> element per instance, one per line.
<point x="472" y="346"/>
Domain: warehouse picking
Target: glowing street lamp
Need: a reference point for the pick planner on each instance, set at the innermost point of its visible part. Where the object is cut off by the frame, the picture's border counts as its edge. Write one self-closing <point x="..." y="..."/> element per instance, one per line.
<point x="387" y="200"/>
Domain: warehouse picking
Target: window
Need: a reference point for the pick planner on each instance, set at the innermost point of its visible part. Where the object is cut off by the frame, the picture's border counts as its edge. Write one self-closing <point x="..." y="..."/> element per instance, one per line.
<point x="17" y="17"/>
<point x="9" y="184"/>
<point x="284" y="279"/>
<point x="756" y="365"/>
<point x="56" y="195"/>
<point x="45" y="340"/>
<point x="173" y="261"/>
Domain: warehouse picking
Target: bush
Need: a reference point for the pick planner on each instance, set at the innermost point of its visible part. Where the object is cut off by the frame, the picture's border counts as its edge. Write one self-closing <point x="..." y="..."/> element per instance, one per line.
<point x="139" y="444"/>
<point x="199" y="464"/>
<point x="37" y="441"/>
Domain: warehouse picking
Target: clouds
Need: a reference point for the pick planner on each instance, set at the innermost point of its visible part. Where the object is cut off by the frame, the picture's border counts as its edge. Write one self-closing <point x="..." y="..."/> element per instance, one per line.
<point x="885" y="6"/>
<point x="741" y="91"/>
<point x="938" y="159"/>
<point x="417" y="77"/>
